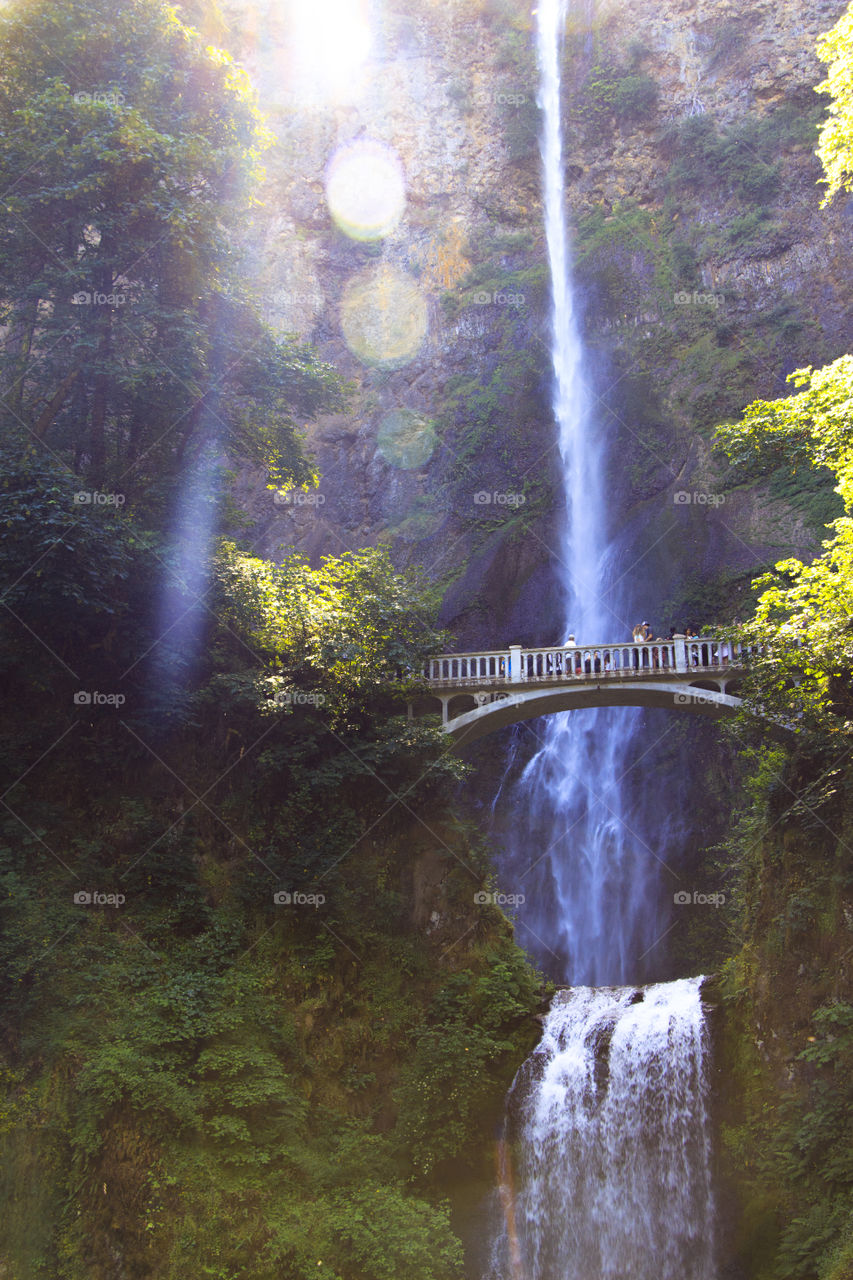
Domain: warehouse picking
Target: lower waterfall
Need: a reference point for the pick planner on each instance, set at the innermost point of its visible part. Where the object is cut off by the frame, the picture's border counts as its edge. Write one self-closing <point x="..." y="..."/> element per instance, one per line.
<point x="604" y="1167"/>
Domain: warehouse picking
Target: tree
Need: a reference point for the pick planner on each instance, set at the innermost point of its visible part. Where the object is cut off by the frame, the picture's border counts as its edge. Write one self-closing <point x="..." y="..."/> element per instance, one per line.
<point x="835" y="146"/>
<point x="127" y="159"/>
<point x="804" y="614"/>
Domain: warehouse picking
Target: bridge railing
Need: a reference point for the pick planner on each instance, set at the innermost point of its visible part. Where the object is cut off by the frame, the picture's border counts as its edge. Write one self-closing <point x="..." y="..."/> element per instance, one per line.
<point x="518" y="665"/>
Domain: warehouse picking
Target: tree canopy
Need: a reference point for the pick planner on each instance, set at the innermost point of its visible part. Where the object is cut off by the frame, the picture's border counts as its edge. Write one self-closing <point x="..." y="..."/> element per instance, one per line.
<point x="804" y="612"/>
<point x="128" y="153"/>
<point x="835" y="146"/>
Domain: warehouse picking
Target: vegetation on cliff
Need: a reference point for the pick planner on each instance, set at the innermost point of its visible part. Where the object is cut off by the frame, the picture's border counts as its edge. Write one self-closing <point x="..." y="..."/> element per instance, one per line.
<point x="787" y="1034"/>
<point x="255" y="1023"/>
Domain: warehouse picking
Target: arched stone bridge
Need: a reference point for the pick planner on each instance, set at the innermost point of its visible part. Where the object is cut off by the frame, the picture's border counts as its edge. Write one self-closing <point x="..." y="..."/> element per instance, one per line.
<point x="482" y="692"/>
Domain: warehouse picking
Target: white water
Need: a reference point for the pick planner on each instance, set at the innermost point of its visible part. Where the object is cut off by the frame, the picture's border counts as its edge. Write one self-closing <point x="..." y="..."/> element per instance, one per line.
<point x="604" y="1173"/>
<point x="608" y="1116"/>
<point x="589" y="879"/>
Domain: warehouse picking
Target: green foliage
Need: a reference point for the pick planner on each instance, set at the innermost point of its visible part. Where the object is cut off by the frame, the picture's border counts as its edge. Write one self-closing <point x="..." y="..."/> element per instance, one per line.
<point x="444" y="1092"/>
<point x="835" y="148"/>
<point x="811" y="428"/>
<point x="634" y="96"/>
<point x="740" y="157"/>
<point x="222" y="1064"/>
<point x="526" y="286"/>
<point x="611" y="91"/>
<point x="791" y="1146"/>
<point x="202" y="1079"/>
<point x="129" y="336"/>
<point x="347" y="628"/>
<point x="804" y="611"/>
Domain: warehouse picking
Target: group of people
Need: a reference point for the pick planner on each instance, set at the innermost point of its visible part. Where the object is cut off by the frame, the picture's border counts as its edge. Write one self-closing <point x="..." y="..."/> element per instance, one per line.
<point x="642" y="633"/>
<point x="604" y="658"/>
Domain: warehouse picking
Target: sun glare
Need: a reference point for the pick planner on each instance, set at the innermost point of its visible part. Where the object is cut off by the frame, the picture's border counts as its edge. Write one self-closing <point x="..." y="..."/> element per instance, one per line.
<point x="366" y="189"/>
<point x="331" y="45"/>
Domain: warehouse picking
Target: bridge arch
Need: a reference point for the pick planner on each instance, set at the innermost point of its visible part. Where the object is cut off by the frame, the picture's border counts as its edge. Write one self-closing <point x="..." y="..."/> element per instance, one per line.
<point x="511" y="708"/>
<point x="483" y="692"/>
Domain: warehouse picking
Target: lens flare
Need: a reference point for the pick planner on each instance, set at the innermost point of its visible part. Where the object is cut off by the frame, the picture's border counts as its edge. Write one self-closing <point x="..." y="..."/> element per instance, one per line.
<point x="366" y="189"/>
<point x="383" y="317"/>
<point x="406" y="439"/>
<point x="331" y="43"/>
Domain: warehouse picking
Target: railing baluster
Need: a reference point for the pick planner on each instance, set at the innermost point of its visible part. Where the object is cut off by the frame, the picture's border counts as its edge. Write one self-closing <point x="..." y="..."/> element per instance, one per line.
<point x="562" y="664"/>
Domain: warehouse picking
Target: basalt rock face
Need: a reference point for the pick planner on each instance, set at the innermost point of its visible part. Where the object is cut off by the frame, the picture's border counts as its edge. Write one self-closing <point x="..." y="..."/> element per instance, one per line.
<point x="706" y="272"/>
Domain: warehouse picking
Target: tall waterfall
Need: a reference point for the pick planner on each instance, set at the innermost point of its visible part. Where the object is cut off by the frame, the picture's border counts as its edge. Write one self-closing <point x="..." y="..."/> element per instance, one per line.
<point x="604" y="1170"/>
<point x="590" y="881"/>
<point x="608" y="1116"/>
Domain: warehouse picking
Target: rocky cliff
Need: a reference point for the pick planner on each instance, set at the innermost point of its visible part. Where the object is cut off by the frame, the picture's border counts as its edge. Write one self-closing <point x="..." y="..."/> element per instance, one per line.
<point x="707" y="271"/>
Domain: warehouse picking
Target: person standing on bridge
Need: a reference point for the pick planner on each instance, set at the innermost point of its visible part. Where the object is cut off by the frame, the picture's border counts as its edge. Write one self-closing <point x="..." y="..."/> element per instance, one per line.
<point x="572" y="665"/>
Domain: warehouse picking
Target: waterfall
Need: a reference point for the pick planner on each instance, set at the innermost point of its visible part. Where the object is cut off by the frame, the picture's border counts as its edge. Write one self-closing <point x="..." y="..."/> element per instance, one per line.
<point x="604" y="1167"/>
<point x="609" y="1119"/>
<point x="589" y="878"/>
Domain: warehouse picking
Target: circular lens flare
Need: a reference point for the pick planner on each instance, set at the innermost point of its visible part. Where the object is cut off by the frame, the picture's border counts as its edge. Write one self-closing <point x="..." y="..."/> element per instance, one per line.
<point x="383" y="317"/>
<point x="366" y="189"/>
<point x="406" y="439"/>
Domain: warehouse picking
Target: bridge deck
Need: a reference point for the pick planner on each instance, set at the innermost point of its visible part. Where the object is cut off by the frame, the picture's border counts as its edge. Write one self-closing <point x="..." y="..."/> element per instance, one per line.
<point x="678" y="657"/>
<point x="505" y="686"/>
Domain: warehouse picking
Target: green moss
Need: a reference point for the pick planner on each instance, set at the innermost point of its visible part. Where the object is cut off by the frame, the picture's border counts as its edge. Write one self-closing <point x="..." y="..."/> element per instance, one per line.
<point x="810" y="492"/>
<point x="611" y="91"/>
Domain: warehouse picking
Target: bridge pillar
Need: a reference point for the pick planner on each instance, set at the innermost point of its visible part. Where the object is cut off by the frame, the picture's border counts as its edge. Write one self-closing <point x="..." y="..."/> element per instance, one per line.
<point x="515" y="673"/>
<point x="680" y="644"/>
